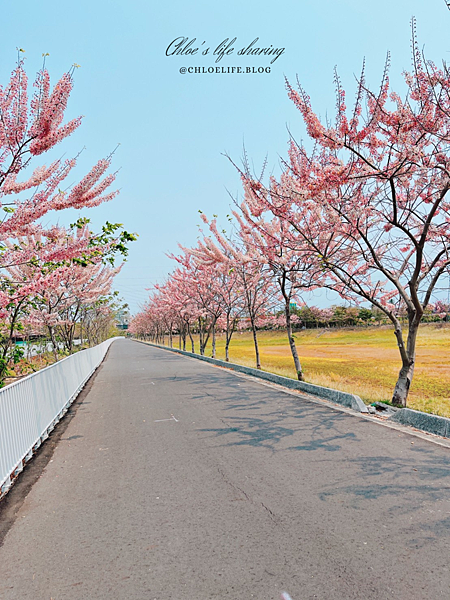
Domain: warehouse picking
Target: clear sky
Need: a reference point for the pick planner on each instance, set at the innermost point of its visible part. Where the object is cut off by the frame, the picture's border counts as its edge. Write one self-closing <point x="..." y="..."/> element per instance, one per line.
<point x="174" y="128"/>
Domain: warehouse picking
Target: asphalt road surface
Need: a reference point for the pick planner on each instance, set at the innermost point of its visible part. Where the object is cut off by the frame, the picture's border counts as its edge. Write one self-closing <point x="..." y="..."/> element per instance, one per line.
<point x="177" y="480"/>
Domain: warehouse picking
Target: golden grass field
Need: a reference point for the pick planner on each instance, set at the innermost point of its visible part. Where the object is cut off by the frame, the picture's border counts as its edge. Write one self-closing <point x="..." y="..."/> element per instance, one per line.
<point x="361" y="361"/>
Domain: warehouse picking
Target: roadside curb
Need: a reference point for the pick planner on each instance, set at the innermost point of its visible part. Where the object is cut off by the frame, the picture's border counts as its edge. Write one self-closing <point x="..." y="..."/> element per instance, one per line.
<point x="345" y="399"/>
<point x="423" y="421"/>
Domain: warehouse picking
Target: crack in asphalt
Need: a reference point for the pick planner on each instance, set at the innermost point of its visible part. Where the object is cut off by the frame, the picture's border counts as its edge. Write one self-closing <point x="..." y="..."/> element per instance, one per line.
<point x="244" y="493"/>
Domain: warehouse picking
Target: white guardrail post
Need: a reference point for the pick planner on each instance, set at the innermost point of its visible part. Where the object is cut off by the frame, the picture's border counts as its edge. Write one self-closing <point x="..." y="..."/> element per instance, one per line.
<point x="30" y="408"/>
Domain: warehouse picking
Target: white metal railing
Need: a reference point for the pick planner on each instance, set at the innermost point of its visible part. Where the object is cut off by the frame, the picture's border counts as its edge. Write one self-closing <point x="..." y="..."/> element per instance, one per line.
<point x="31" y="407"/>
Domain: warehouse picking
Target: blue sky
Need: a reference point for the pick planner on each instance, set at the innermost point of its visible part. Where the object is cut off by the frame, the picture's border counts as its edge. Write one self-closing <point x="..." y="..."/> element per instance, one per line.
<point x="174" y="128"/>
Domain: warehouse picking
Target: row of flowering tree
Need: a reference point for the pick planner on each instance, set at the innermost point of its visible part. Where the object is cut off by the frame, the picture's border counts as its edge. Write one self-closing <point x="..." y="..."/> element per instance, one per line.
<point x="362" y="209"/>
<point x="220" y="285"/>
<point x="51" y="277"/>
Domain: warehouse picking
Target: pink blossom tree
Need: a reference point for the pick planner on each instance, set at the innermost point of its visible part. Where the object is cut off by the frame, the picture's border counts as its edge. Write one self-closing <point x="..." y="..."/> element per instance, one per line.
<point x="291" y="271"/>
<point x="64" y="273"/>
<point x="205" y="291"/>
<point x="29" y="129"/>
<point x="241" y="257"/>
<point x="371" y="199"/>
<point x="32" y="258"/>
<point x="232" y="302"/>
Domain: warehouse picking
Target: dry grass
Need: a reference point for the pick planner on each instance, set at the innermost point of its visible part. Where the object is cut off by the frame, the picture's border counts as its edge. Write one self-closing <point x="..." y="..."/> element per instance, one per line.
<point x="362" y="361"/>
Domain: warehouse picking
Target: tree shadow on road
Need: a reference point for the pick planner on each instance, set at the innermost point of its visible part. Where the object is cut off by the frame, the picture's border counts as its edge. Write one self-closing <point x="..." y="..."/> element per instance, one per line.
<point x="272" y="427"/>
<point x="403" y="482"/>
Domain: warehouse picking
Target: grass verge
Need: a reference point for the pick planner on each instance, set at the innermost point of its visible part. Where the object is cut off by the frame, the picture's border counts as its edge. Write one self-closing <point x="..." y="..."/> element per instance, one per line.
<point x="365" y="362"/>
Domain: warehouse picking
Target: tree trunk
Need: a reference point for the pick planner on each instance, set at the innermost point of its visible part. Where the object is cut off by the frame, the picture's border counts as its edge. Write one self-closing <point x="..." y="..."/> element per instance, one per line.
<point x="71" y="336"/>
<point x="227" y="338"/>
<point x="204" y="336"/>
<point x="228" y="335"/>
<point x="191" y="338"/>
<point x="214" y="341"/>
<point x="54" y="343"/>
<point x="255" y="341"/>
<point x="408" y="355"/>
<point x="298" y="366"/>
<point x="201" y="336"/>
<point x="403" y="384"/>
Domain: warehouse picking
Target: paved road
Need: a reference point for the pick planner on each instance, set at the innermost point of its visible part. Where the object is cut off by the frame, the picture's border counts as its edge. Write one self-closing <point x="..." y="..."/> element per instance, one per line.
<point x="177" y="480"/>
